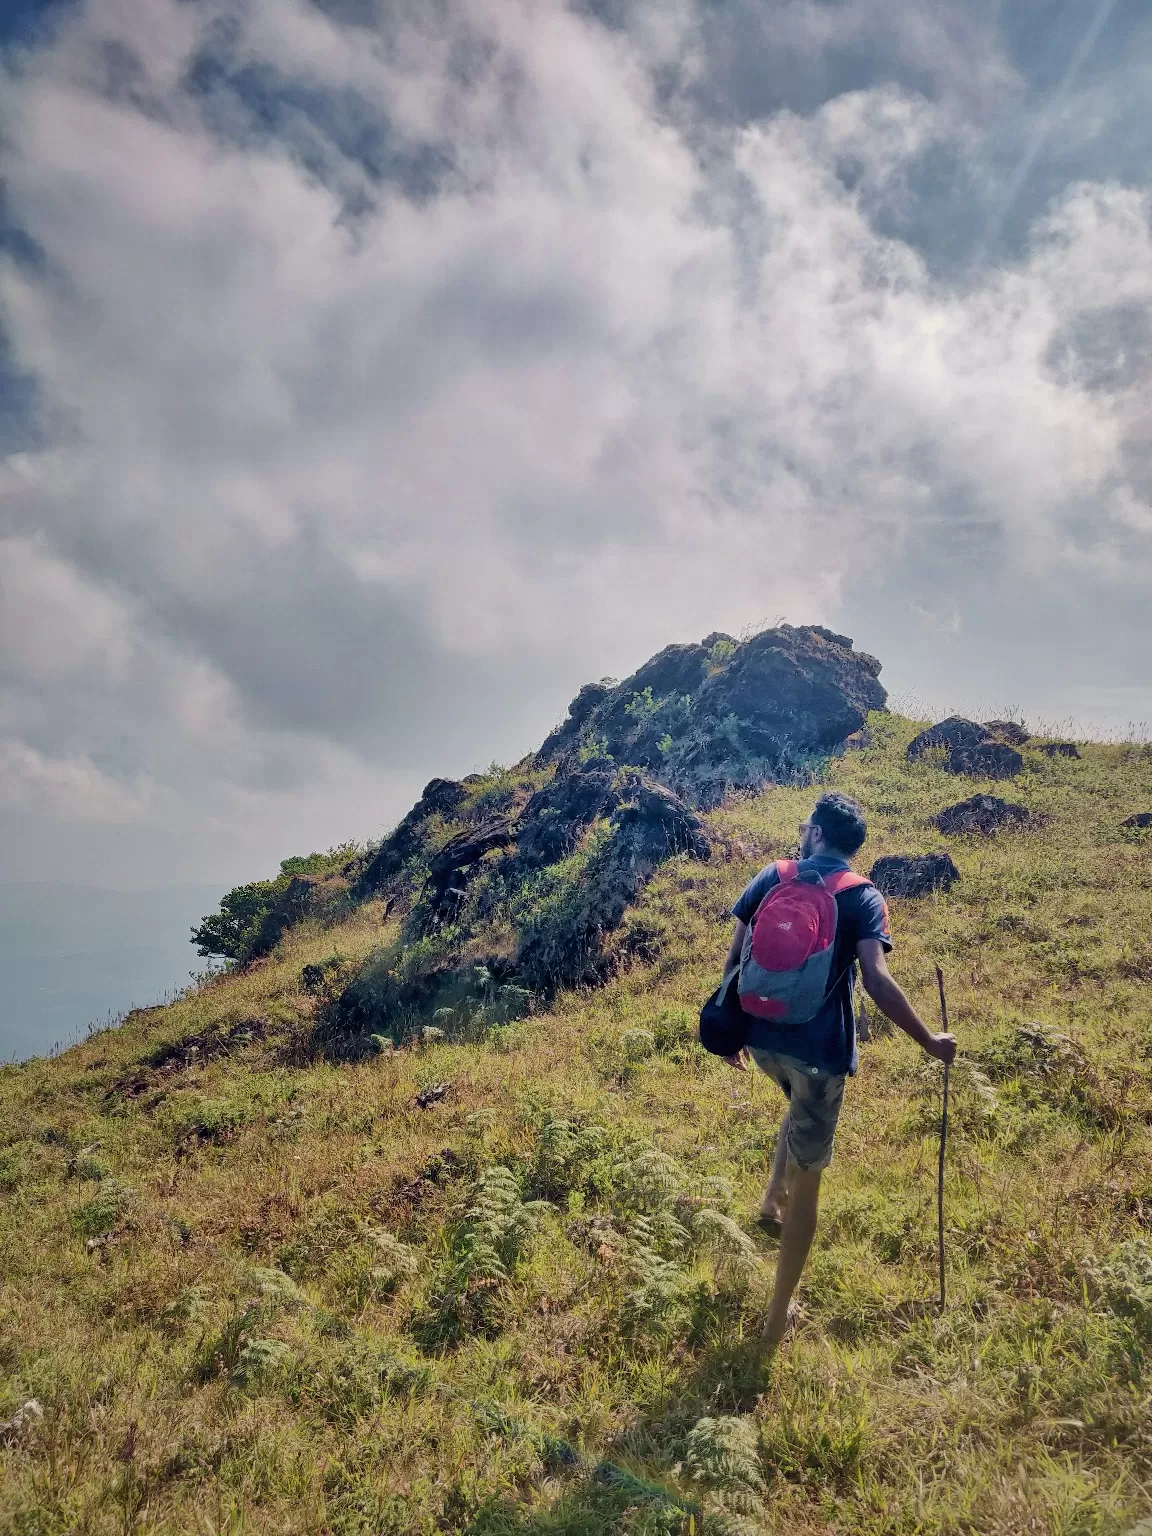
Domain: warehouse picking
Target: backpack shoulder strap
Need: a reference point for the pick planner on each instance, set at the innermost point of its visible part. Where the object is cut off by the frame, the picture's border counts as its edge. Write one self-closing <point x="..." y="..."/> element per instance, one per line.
<point x="786" y="869"/>
<point x="845" y="880"/>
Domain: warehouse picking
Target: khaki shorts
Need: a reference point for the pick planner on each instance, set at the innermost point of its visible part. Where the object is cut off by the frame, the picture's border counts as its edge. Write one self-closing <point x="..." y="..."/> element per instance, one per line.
<point x="814" y="1098"/>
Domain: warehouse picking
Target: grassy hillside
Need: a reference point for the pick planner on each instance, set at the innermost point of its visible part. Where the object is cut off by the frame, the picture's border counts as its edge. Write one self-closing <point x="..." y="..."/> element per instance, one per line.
<point x="505" y="1286"/>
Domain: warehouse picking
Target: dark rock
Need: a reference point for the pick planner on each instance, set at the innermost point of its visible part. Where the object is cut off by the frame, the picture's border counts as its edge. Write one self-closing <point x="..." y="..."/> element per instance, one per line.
<point x="985" y="760"/>
<point x="658" y="823"/>
<point x="558" y="815"/>
<point x="312" y="978"/>
<point x="913" y="874"/>
<point x="572" y="945"/>
<point x="441" y="797"/>
<point x="702" y="722"/>
<point x="793" y="689"/>
<point x="446" y="867"/>
<point x="948" y="735"/>
<point x="1008" y="731"/>
<point x="831" y="636"/>
<point x="579" y="712"/>
<point x="1060" y="749"/>
<point x="982" y="813"/>
<point x="432" y="1094"/>
<point x="1139" y="819"/>
<point x="675" y="669"/>
<point x="859" y="741"/>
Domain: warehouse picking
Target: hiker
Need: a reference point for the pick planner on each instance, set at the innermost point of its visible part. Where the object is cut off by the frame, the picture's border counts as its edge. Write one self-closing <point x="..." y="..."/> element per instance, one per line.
<point x="810" y="1059"/>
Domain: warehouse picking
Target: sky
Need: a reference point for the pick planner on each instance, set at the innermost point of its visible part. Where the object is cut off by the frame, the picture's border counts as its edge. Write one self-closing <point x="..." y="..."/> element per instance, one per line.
<point x="374" y="373"/>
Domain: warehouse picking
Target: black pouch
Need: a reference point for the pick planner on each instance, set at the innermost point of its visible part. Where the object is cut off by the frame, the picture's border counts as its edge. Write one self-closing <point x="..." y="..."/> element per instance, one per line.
<point x="723" y="1023"/>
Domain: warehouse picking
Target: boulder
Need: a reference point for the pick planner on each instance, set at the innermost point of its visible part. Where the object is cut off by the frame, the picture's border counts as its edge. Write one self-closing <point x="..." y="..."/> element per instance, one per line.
<point x="447" y="879"/>
<point x="572" y="943"/>
<point x="1138" y="819"/>
<point x="913" y="874"/>
<point x="1060" y="749"/>
<point x="985" y="760"/>
<point x="984" y="814"/>
<point x="656" y="824"/>
<point x="722" y="714"/>
<point x="950" y="734"/>
<point x="1009" y="731"/>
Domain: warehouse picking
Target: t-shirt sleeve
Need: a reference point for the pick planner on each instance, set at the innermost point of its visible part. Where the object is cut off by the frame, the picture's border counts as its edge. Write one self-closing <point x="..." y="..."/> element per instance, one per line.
<point x="744" y="908"/>
<point x="872" y="917"/>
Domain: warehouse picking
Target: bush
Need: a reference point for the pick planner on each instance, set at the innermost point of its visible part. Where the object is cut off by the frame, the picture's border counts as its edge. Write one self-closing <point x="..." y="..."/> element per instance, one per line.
<point x="107" y="1209"/>
<point x="232" y="930"/>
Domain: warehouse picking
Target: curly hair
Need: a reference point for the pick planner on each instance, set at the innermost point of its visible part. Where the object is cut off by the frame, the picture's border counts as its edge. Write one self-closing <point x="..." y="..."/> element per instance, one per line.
<point x="841" y="819"/>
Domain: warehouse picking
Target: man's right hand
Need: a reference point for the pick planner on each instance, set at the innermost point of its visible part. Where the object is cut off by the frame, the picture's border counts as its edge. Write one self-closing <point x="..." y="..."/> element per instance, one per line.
<point x="943" y="1047"/>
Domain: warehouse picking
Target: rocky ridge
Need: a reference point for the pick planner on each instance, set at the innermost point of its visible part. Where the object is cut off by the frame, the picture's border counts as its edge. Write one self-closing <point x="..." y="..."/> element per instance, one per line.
<point x="519" y="883"/>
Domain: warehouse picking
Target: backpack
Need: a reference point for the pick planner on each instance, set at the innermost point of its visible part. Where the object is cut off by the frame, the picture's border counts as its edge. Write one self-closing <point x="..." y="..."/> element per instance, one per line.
<point x="723" y="1023"/>
<point x="786" y="962"/>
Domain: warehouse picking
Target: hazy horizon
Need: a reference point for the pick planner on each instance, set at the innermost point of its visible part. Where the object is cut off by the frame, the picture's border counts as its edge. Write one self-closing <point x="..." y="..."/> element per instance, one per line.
<point x="76" y="956"/>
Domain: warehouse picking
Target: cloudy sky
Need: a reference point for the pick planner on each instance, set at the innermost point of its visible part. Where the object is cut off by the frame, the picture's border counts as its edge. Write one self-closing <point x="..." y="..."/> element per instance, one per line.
<point x="374" y="372"/>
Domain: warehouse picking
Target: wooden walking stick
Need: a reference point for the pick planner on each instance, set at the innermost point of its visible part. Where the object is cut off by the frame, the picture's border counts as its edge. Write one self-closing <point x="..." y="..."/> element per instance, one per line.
<point x="943" y="1143"/>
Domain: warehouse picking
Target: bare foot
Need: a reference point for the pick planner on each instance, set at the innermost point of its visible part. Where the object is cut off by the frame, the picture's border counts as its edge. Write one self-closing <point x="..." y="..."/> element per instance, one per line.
<point x="773" y="1205"/>
<point x="774" y="1332"/>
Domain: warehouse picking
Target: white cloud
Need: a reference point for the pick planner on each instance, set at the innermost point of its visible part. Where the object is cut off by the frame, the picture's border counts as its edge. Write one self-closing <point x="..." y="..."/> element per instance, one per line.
<point x="67" y="788"/>
<point x="353" y="480"/>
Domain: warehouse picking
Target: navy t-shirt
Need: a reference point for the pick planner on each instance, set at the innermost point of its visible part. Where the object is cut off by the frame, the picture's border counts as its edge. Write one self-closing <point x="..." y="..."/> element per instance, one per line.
<point x="829" y="1039"/>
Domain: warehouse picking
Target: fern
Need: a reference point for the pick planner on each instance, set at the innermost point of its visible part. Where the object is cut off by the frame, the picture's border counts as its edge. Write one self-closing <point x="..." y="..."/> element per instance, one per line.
<point x="735" y="1255"/>
<point x="275" y="1289"/>
<point x="487" y="1247"/>
<point x="656" y="1290"/>
<point x="260" y="1363"/>
<point x="1124" y="1279"/>
<point x="651" y="1180"/>
<point x="723" y="1456"/>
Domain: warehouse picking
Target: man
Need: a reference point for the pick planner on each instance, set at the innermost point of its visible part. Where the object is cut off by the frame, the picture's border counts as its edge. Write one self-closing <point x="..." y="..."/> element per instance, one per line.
<point x="810" y="1061"/>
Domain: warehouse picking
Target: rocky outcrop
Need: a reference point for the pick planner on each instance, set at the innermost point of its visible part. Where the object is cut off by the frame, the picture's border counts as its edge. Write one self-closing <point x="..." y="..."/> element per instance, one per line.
<point x="448" y="866"/>
<point x="570" y="935"/>
<point x="649" y="825"/>
<point x="1060" y="749"/>
<point x="968" y="748"/>
<point x="727" y="714"/>
<point x="947" y="735"/>
<point x="1010" y="732"/>
<point x="510" y="884"/>
<point x="983" y="814"/>
<point x="986" y="760"/>
<point x="557" y="816"/>
<point x="915" y="874"/>
<point x="441" y="797"/>
<point x="1139" y="819"/>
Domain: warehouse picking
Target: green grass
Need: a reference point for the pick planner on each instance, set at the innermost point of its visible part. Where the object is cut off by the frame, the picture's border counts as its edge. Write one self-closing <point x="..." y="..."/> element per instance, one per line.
<point x="254" y="1291"/>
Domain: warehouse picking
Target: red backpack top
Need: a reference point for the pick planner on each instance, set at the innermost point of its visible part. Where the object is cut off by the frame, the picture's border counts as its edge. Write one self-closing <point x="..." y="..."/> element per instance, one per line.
<point x="786" y="962"/>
